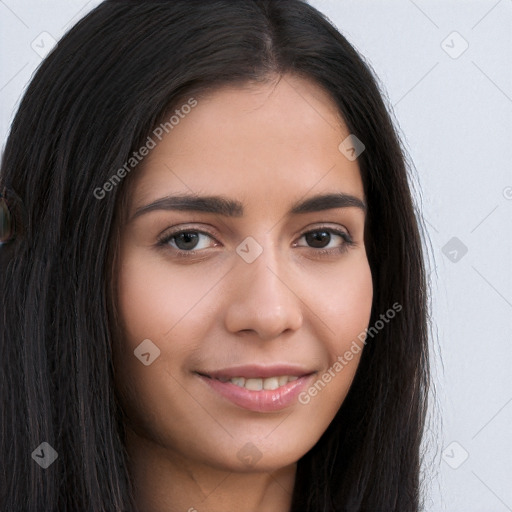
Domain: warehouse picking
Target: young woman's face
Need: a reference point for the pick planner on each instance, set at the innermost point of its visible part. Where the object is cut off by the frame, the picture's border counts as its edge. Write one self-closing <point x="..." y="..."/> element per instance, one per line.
<point x="260" y="286"/>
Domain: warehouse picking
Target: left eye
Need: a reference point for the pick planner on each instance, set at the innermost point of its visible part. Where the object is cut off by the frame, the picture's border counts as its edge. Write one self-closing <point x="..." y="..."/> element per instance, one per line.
<point x="321" y="238"/>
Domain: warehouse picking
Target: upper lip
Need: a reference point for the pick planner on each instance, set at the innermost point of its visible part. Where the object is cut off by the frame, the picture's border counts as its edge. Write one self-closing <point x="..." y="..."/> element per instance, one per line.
<point x="258" y="371"/>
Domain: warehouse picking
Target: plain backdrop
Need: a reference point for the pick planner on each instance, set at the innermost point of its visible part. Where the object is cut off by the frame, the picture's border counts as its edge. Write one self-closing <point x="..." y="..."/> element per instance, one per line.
<point x="445" y="68"/>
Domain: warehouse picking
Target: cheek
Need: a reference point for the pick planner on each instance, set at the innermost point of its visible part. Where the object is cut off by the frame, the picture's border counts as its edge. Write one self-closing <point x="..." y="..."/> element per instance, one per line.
<point x="355" y="303"/>
<point x="166" y="308"/>
<point x="154" y="301"/>
<point x="343" y="303"/>
<point x="343" y="306"/>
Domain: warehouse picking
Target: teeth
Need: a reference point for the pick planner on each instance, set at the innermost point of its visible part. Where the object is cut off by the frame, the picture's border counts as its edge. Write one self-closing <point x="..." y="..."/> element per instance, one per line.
<point x="254" y="384"/>
<point x="238" y="381"/>
<point x="269" y="383"/>
<point x="283" y="380"/>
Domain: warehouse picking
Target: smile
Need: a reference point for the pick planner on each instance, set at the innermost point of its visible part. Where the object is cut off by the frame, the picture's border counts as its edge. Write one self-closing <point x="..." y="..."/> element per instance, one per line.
<point x="263" y="393"/>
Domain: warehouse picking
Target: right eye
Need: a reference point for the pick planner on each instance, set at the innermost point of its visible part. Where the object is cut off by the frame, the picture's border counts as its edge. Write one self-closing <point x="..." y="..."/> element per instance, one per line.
<point x="186" y="241"/>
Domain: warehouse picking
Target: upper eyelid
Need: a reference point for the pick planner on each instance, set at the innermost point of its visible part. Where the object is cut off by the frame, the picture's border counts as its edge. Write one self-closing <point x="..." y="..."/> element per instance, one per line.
<point x="174" y="232"/>
<point x="177" y="230"/>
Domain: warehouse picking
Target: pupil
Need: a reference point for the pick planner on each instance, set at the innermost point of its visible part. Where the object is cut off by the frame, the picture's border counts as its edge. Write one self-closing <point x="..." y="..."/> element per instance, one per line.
<point x="317" y="238"/>
<point x="189" y="240"/>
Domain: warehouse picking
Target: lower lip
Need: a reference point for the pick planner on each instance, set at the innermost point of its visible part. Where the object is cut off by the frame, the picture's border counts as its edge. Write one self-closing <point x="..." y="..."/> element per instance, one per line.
<point x="259" y="401"/>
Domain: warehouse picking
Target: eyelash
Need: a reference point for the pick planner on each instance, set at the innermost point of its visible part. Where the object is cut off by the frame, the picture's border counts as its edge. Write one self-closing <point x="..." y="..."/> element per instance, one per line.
<point x="164" y="240"/>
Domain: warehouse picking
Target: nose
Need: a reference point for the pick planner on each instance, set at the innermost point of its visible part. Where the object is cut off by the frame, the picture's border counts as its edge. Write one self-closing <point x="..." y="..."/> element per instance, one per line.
<point x="262" y="299"/>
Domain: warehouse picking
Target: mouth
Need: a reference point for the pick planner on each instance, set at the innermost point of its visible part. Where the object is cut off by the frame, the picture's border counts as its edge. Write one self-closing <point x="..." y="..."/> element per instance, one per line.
<point x="257" y="388"/>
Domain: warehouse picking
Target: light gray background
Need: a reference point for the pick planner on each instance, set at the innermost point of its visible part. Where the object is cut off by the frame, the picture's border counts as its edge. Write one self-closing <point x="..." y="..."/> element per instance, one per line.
<point x="453" y="107"/>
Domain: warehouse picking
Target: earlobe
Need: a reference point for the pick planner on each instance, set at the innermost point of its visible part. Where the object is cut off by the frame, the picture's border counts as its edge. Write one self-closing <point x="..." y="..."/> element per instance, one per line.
<point x="7" y="230"/>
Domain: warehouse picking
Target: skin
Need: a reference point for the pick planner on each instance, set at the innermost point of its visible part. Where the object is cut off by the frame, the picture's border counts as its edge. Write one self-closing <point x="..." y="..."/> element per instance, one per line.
<point x="267" y="146"/>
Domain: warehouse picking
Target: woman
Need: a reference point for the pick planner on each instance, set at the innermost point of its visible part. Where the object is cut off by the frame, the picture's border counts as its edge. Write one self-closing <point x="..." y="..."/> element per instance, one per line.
<point x="213" y="282"/>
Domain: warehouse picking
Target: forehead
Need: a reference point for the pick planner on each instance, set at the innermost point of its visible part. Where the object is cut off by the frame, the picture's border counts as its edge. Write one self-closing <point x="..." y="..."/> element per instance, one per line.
<point x="264" y="142"/>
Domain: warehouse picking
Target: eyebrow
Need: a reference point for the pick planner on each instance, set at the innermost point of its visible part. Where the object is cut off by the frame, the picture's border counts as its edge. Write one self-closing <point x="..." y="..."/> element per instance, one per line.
<point x="222" y="205"/>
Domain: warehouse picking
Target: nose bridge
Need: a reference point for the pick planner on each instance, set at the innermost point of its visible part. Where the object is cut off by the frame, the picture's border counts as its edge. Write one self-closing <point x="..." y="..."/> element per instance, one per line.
<point x="262" y="300"/>
<point x="264" y="275"/>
